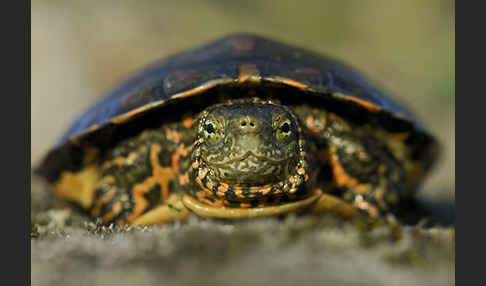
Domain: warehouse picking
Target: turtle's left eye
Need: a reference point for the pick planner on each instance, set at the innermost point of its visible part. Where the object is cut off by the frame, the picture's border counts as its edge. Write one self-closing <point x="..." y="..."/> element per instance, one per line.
<point x="209" y="128"/>
<point x="285" y="128"/>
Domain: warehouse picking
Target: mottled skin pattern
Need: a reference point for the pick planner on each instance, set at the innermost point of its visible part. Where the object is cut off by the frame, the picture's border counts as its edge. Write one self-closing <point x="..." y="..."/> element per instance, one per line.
<point x="139" y="173"/>
<point x="249" y="153"/>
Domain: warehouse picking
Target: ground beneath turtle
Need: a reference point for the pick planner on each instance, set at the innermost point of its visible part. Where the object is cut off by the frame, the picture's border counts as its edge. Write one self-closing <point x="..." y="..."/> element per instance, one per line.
<point x="68" y="249"/>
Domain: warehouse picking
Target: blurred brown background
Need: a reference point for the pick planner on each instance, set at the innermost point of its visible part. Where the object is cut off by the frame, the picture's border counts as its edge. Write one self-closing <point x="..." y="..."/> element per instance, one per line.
<point x="80" y="49"/>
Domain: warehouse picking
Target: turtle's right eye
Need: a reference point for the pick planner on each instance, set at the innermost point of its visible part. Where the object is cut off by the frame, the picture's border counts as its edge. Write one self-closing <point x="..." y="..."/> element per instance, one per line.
<point x="284" y="131"/>
<point x="212" y="131"/>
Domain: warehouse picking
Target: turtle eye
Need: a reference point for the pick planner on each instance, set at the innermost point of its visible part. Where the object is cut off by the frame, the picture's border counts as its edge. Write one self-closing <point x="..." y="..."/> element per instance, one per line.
<point x="285" y="128"/>
<point x="209" y="128"/>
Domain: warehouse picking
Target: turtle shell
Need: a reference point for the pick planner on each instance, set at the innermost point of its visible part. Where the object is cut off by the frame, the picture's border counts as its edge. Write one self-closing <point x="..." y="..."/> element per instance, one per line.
<point x="231" y="61"/>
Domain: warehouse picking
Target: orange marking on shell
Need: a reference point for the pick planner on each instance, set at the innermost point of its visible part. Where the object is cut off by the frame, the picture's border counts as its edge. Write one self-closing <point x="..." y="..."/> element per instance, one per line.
<point x="203" y="87"/>
<point x="286" y="81"/>
<point x="244" y="44"/>
<point x="190" y="93"/>
<point x="127" y="116"/>
<point x="294" y="83"/>
<point x="248" y="72"/>
<point x="368" y="105"/>
<point x="93" y="127"/>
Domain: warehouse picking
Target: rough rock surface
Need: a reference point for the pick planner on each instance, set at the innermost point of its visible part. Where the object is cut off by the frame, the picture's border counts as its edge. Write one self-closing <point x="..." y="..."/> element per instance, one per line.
<point x="67" y="248"/>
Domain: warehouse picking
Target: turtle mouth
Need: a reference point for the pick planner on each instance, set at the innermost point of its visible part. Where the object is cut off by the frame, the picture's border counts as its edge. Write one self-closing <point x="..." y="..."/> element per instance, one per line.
<point x="251" y="170"/>
<point x="282" y="178"/>
<point x="247" y="157"/>
<point x="247" y="191"/>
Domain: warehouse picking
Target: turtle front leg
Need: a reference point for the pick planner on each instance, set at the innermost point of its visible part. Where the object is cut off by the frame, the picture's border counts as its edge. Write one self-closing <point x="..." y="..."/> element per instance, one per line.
<point x="140" y="204"/>
<point x="169" y="212"/>
<point x="141" y="181"/>
<point x="328" y="203"/>
<point x="360" y="177"/>
<point x="331" y="204"/>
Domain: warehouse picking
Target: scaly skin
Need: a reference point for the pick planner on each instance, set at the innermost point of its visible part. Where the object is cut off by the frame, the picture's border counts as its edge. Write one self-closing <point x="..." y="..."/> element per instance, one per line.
<point x="243" y="158"/>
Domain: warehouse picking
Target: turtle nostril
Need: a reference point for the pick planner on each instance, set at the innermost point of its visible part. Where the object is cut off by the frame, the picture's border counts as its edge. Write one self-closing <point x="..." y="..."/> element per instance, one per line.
<point x="248" y="125"/>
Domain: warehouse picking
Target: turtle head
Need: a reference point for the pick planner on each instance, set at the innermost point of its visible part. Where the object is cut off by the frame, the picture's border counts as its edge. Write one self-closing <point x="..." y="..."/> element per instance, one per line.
<point x="249" y="149"/>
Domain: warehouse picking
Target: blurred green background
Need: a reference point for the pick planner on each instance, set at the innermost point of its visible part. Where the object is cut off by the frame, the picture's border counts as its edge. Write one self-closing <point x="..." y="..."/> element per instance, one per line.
<point x="80" y="49"/>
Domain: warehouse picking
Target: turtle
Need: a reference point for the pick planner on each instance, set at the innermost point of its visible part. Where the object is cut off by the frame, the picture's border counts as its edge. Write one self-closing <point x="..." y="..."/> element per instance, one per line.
<point x="241" y="127"/>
